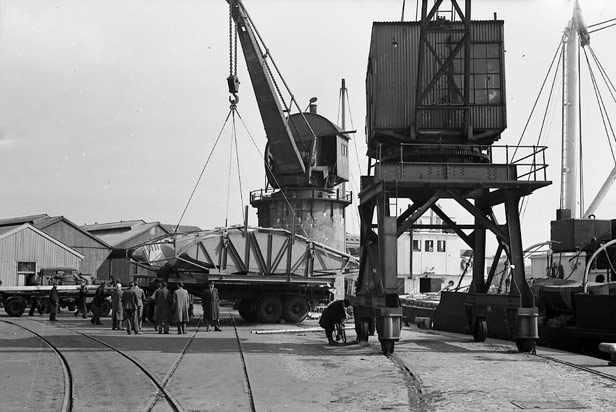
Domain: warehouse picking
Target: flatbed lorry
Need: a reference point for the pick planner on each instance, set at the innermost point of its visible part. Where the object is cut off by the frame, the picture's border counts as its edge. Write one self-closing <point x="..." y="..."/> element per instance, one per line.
<point x="271" y="274"/>
<point x="16" y="299"/>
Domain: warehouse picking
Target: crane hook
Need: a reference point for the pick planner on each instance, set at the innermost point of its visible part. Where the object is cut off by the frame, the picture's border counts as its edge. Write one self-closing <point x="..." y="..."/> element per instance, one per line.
<point x="234" y="100"/>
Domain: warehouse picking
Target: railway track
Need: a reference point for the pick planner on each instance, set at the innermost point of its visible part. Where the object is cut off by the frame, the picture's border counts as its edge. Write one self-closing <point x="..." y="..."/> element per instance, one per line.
<point x="67" y="399"/>
<point x="162" y="394"/>
<point x="578" y="367"/>
<point x="235" y="370"/>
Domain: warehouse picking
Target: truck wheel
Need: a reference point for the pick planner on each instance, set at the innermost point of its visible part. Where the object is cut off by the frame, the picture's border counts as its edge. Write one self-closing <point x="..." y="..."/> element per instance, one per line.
<point x="269" y="309"/>
<point x="295" y="309"/>
<point x="15" y="307"/>
<point x="246" y="310"/>
<point x="149" y="311"/>
<point x="106" y="309"/>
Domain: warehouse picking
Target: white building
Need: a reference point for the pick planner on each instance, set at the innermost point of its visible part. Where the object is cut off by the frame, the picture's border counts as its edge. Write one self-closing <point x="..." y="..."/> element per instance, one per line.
<point x="433" y="253"/>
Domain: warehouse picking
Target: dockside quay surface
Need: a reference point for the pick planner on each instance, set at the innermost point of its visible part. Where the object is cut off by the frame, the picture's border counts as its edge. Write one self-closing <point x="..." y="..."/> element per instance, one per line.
<point x="255" y="367"/>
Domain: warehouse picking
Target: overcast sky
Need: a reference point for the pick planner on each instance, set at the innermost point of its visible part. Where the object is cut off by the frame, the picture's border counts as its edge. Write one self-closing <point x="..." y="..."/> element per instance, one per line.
<point x="109" y="109"/>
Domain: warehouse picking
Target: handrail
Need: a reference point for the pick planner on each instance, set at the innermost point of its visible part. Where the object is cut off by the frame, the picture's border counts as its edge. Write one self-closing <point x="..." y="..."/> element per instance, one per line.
<point x="309" y="192"/>
<point x="531" y="159"/>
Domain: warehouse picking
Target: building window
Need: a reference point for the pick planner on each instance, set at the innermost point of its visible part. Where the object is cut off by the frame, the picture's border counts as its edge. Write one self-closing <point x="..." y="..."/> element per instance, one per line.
<point x="344" y="150"/>
<point x="440" y="246"/>
<point x="429" y="246"/>
<point x="26" y="273"/>
<point x="416" y="246"/>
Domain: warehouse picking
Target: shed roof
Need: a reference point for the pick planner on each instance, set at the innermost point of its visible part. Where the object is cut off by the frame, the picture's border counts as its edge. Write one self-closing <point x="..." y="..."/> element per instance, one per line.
<point x="7" y="231"/>
<point x="181" y="229"/>
<point x="42" y="221"/>
<point x="118" y="233"/>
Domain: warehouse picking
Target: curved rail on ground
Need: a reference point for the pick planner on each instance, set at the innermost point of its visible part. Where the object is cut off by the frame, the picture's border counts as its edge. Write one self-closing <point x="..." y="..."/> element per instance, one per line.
<point x="67" y="400"/>
<point x="177" y="407"/>
<point x="173" y="403"/>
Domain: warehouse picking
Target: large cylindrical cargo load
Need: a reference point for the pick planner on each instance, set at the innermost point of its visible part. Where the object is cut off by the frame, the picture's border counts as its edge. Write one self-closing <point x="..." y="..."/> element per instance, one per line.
<point x="317" y="214"/>
<point x="422" y="98"/>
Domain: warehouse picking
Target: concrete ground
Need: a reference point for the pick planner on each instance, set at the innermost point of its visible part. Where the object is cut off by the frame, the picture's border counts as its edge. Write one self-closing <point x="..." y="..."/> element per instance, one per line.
<point x="290" y="367"/>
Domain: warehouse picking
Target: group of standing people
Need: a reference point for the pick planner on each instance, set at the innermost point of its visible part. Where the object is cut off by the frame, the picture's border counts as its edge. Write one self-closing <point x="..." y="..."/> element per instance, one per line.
<point x="53" y="303"/>
<point x="127" y="307"/>
<point x="175" y="308"/>
<point x="171" y="308"/>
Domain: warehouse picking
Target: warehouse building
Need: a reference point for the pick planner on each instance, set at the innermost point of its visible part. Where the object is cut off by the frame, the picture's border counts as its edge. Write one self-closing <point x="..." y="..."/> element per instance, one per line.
<point x="25" y="250"/>
<point x="123" y="236"/>
<point x="94" y="250"/>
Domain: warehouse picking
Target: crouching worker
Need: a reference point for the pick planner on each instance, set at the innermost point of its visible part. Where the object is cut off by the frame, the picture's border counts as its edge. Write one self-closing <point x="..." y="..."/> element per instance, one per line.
<point x="334" y="313"/>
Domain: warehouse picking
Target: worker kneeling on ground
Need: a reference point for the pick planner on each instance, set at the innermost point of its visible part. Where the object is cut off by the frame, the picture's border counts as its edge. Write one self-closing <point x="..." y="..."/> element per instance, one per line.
<point x="334" y="313"/>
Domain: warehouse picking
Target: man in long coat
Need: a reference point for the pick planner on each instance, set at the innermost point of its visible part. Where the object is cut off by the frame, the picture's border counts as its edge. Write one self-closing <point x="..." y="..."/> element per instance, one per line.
<point x="211" y="307"/>
<point x="129" y="303"/>
<point x="180" y="308"/>
<point x="54" y="302"/>
<point x="97" y="304"/>
<point x="162" y="313"/>
<point x="81" y="301"/>
<point x="141" y="301"/>
<point x="334" y="313"/>
<point x="117" y="312"/>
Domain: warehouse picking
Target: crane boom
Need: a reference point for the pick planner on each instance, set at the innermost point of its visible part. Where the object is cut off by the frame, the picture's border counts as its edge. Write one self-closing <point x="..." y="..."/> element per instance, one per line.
<point x="284" y="152"/>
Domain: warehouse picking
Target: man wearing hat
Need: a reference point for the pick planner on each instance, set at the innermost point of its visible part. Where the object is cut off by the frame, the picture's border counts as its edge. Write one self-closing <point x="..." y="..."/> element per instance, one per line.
<point x="54" y="302"/>
<point x="180" y="308"/>
<point x="211" y="307"/>
<point x="129" y="304"/>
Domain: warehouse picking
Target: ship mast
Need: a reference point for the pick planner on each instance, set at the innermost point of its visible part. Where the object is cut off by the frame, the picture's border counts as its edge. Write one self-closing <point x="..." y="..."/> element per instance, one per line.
<point x="576" y="34"/>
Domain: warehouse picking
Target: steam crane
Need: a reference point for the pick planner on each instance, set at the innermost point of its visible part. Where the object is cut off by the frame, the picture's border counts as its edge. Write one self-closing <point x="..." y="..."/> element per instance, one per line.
<point x="435" y="94"/>
<point x="306" y="155"/>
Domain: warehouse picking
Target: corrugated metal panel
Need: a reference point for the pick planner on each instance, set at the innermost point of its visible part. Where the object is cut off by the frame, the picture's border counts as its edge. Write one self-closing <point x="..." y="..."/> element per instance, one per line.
<point x="29" y="246"/>
<point x="392" y="77"/>
<point x="487" y="31"/>
<point x="392" y="74"/>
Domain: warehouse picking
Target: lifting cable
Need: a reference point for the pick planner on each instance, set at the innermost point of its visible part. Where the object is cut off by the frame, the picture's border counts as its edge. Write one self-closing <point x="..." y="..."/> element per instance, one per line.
<point x="202" y="172"/>
<point x="237" y="159"/>
<point x="284" y="195"/>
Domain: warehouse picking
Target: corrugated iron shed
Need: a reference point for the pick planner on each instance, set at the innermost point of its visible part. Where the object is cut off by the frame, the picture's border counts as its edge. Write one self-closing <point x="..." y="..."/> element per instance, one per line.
<point x="24" y="250"/>
<point x="95" y="250"/>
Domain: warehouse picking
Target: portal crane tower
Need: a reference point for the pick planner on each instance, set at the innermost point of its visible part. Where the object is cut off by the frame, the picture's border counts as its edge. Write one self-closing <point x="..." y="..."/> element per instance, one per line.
<point x="435" y="106"/>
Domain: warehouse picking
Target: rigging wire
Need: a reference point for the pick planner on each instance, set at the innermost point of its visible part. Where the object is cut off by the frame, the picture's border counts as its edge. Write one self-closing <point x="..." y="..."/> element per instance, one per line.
<point x="354" y="185"/>
<point x="267" y="56"/>
<point x="607" y="125"/>
<point x="604" y="74"/>
<point x="601" y="28"/>
<point x="580" y="141"/>
<point x="229" y="170"/>
<point x="600" y="23"/>
<point x="555" y="59"/>
<point x="284" y="195"/>
<point x="202" y="171"/>
<point x="547" y="75"/>
<point x="237" y="160"/>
